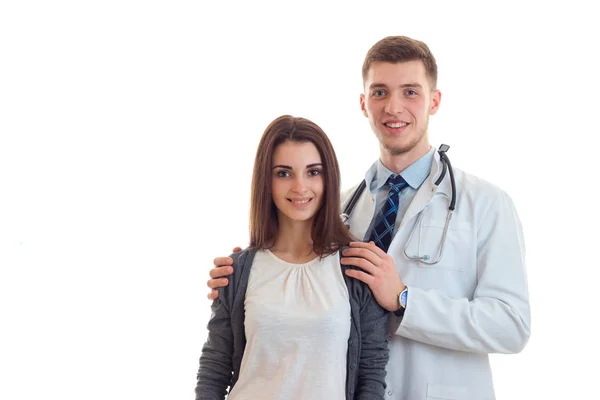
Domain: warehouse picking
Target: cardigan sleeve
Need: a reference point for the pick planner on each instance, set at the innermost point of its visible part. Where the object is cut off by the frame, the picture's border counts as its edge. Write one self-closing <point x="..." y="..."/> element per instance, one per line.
<point x="216" y="365"/>
<point x="221" y="354"/>
<point x="374" y="354"/>
<point x="217" y="361"/>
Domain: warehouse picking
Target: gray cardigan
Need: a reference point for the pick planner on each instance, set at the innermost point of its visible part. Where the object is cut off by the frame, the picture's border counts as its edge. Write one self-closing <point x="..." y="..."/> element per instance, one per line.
<point x="222" y="353"/>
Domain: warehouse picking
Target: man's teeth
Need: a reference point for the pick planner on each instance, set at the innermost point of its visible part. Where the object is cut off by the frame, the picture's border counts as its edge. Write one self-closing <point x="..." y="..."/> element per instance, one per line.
<point x="396" y="124"/>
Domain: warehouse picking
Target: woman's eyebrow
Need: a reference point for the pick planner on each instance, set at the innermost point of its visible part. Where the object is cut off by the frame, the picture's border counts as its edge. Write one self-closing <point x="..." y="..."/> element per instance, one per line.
<point x="288" y="167"/>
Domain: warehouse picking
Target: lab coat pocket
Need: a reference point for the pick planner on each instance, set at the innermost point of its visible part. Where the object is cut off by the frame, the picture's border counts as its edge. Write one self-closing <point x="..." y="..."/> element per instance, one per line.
<point x="444" y="392"/>
<point x="455" y="249"/>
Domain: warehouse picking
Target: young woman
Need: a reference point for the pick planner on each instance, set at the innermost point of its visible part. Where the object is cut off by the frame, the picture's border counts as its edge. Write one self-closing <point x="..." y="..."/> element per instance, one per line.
<point x="290" y="324"/>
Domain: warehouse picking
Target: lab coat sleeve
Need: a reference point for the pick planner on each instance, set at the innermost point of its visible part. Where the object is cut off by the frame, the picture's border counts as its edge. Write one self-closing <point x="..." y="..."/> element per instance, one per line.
<point x="497" y="318"/>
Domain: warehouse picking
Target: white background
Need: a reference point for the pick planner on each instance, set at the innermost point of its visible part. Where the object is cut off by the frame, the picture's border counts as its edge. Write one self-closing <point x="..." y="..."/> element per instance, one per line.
<point x="127" y="134"/>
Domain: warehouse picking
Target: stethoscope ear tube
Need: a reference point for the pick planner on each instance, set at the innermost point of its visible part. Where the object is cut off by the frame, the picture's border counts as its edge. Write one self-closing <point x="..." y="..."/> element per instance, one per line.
<point x="350" y="206"/>
<point x="448" y="166"/>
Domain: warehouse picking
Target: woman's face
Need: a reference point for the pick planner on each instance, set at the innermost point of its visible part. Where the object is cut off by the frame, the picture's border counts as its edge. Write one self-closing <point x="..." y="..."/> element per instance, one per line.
<point x="297" y="180"/>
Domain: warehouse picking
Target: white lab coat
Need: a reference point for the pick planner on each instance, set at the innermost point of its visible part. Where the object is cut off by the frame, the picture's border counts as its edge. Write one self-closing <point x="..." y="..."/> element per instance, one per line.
<point x="472" y="303"/>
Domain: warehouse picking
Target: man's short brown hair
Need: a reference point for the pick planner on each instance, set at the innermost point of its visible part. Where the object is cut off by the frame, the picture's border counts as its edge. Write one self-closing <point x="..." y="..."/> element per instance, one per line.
<point x="397" y="49"/>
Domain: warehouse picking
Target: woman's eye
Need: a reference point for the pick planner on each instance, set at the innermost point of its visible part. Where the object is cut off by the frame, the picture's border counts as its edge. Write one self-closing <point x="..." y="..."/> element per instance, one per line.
<point x="314" y="172"/>
<point x="283" y="174"/>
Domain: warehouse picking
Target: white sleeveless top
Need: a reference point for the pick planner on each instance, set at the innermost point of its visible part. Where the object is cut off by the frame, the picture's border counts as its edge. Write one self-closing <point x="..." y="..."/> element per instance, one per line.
<point x="297" y="327"/>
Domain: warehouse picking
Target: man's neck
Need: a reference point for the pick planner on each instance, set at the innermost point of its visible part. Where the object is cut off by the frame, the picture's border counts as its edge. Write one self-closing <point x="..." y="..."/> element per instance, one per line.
<point x="399" y="162"/>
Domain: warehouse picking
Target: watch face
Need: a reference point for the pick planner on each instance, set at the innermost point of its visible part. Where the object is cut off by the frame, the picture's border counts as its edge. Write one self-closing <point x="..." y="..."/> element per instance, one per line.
<point x="403" y="298"/>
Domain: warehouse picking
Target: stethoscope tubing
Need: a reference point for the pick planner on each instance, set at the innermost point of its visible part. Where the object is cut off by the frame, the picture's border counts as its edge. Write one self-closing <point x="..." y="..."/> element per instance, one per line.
<point x="446" y="167"/>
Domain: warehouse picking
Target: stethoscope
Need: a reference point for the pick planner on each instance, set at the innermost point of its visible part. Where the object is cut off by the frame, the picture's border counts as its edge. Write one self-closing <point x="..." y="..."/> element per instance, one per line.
<point x="425" y="259"/>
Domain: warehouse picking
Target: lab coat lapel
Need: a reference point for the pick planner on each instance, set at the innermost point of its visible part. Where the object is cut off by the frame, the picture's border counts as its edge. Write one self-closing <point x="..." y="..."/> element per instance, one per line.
<point x="362" y="215"/>
<point x="427" y="190"/>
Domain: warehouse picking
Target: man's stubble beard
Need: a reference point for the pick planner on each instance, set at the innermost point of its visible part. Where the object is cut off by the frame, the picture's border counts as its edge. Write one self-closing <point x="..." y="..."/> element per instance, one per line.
<point x="396" y="151"/>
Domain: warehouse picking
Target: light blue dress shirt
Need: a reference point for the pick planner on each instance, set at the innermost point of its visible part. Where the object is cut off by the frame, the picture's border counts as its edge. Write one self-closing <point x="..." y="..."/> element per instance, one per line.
<point x="377" y="176"/>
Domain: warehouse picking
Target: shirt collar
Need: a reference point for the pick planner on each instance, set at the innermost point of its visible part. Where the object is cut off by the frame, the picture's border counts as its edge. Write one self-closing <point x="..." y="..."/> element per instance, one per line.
<point x="415" y="174"/>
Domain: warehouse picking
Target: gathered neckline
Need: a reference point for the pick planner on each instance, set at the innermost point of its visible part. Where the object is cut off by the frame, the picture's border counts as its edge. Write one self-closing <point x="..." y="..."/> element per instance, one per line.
<point x="279" y="260"/>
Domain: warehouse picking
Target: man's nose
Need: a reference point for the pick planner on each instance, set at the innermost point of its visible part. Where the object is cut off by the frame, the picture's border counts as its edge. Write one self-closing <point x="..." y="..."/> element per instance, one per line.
<point x="394" y="105"/>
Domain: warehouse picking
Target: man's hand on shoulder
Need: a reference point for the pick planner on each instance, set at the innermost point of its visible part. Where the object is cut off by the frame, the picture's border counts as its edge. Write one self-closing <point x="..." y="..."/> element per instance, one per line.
<point x="222" y="268"/>
<point x="377" y="269"/>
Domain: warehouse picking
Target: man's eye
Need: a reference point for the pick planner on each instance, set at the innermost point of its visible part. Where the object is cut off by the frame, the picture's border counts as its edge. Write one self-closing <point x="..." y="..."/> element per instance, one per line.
<point x="379" y="93"/>
<point x="411" y="92"/>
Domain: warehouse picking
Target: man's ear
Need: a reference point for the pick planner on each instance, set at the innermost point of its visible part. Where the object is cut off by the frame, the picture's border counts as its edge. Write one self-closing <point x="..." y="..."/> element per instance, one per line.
<point x="436" y="99"/>
<point x="363" y="105"/>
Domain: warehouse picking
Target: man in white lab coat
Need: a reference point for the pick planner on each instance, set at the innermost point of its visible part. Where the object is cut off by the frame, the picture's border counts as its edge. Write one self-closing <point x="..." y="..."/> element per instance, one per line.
<point x="446" y="313"/>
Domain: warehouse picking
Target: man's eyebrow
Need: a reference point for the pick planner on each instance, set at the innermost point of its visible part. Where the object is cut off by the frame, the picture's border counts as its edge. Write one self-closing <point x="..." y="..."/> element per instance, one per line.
<point x="377" y="85"/>
<point x="403" y="86"/>
<point x="410" y="85"/>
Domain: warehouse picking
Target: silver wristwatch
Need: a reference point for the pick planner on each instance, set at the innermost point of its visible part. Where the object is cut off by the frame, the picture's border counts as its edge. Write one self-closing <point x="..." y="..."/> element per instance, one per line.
<point x="402" y="299"/>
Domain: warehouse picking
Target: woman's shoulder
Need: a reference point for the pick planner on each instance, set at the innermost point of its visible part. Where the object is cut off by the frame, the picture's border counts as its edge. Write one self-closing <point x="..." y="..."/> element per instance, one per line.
<point x="243" y="256"/>
<point x="242" y="262"/>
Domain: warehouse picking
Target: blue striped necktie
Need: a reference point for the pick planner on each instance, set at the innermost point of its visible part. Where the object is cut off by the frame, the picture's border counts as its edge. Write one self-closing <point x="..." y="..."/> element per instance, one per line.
<point x="384" y="228"/>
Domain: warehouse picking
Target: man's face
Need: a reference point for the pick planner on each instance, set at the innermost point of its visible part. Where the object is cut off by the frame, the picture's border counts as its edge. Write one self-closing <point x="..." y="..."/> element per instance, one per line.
<point x="398" y="101"/>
